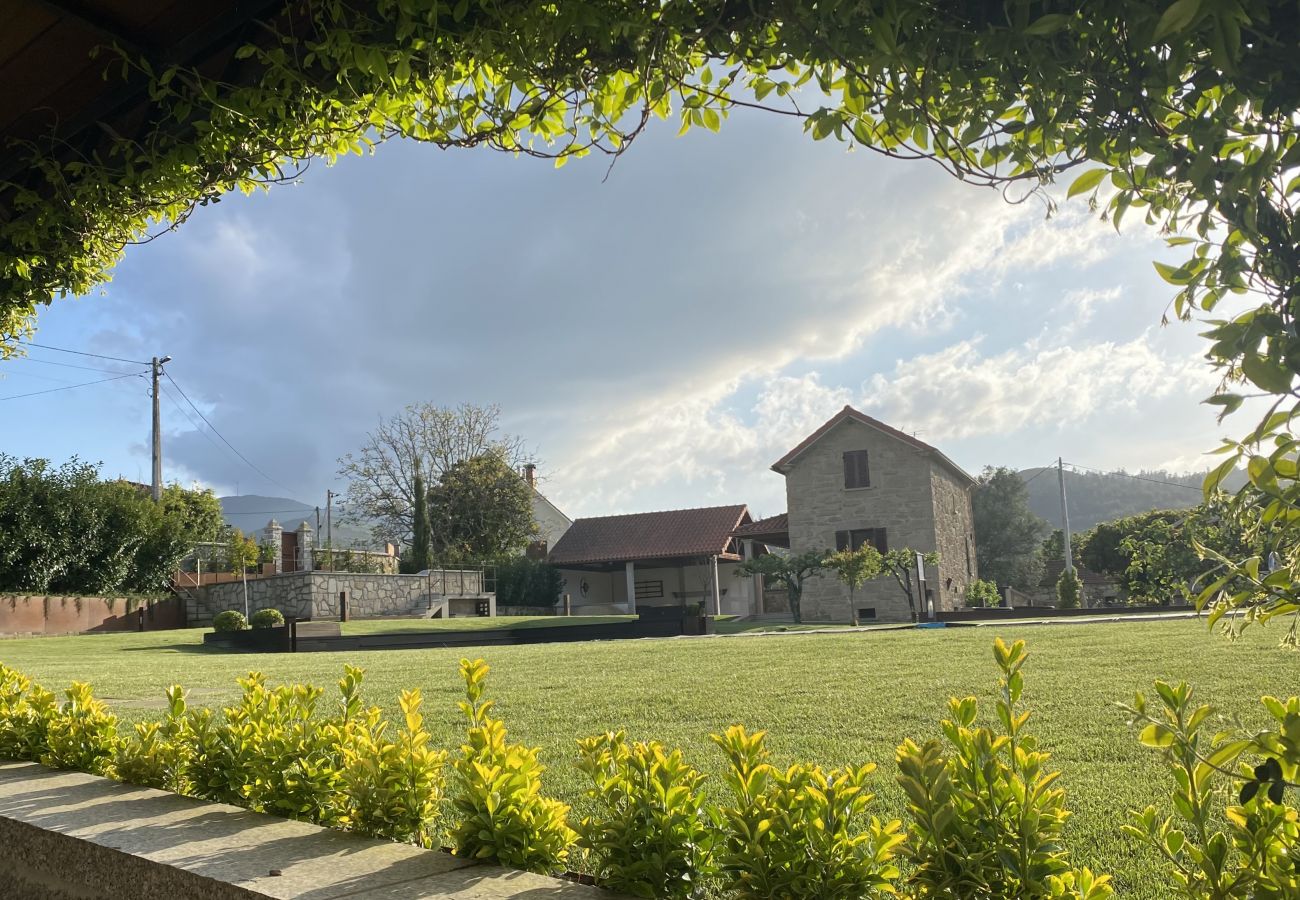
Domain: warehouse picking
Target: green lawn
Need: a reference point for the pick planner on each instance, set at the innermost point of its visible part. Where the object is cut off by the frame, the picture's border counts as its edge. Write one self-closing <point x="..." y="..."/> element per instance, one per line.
<point x="834" y="698"/>
<point x="471" y="623"/>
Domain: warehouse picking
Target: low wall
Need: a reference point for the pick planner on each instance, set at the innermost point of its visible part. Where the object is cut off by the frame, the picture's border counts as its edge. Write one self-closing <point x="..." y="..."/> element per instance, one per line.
<point x="69" y="836"/>
<point x="59" y="614"/>
<point x="315" y="595"/>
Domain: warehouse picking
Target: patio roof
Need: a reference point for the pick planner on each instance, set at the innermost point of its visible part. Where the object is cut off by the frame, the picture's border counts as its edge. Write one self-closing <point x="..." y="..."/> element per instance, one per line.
<point x="774" y="531"/>
<point x="674" y="534"/>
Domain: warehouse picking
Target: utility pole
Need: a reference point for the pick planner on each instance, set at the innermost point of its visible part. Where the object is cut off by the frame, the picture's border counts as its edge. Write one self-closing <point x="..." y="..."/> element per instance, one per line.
<point x="155" y="369"/>
<point x="329" y="528"/>
<point x="1065" y="515"/>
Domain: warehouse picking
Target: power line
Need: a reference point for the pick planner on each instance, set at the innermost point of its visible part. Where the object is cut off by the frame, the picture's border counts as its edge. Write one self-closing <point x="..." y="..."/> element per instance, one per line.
<point x="71" y="386"/>
<point x="197" y="427"/>
<point x="1186" y="487"/>
<point x="1036" y="474"/>
<point x="50" y="362"/>
<point x="134" y="362"/>
<point x="246" y="460"/>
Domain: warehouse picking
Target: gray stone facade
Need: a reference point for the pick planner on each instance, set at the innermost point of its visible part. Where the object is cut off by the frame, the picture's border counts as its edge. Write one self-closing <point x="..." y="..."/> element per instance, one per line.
<point x="914" y="496"/>
<point x="315" y="595"/>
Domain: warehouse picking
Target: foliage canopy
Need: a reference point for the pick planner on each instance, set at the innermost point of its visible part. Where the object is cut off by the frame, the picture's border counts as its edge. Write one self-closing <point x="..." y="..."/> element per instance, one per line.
<point x="1185" y="112"/>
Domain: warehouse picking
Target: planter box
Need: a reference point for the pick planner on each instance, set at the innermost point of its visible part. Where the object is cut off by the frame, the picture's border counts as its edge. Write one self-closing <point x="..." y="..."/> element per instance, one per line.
<point x="264" y="640"/>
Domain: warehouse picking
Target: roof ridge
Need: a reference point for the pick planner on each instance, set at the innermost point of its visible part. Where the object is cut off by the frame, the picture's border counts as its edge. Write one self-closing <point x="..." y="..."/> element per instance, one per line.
<point x="655" y="512"/>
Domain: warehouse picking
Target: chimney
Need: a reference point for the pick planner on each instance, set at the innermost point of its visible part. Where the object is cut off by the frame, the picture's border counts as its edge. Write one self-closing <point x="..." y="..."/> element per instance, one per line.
<point x="530" y="475"/>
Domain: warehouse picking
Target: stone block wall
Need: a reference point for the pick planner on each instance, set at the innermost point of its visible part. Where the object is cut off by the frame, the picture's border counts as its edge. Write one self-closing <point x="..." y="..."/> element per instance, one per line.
<point x="899" y="500"/>
<point x="315" y="595"/>
<point x="954" y="524"/>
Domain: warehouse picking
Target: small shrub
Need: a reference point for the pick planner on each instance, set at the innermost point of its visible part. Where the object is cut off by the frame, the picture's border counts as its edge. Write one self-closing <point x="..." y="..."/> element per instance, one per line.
<point x="503" y="816"/>
<point x="81" y="733"/>
<point x="802" y="832"/>
<point x="392" y="788"/>
<point x="159" y="754"/>
<point x="982" y="594"/>
<point x="1069" y="590"/>
<point x="25" y="713"/>
<point x="652" y="834"/>
<point x="266" y="618"/>
<point x="229" y="620"/>
<point x="987" y="821"/>
<point x="1214" y="847"/>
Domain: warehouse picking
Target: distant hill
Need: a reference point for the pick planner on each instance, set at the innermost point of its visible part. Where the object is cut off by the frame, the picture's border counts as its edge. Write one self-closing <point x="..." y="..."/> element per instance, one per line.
<point x="251" y="512"/>
<point x="1102" y="496"/>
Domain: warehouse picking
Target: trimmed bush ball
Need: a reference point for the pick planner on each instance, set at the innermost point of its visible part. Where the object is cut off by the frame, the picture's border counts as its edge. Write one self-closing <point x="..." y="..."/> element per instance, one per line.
<point x="230" y="620"/>
<point x="267" y="618"/>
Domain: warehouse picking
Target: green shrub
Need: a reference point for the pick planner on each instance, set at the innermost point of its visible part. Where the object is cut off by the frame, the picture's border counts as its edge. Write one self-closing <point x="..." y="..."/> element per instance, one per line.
<point x="987" y="821"/>
<point x="1069" y="590"/>
<point x="802" y="832"/>
<point x="652" y="834"/>
<point x="266" y="618"/>
<point x="503" y="816"/>
<point x="160" y="753"/>
<point x="1214" y="847"/>
<point x="392" y="788"/>
<point x="982" y="594"/>
<point x="25" y="713"/>
<point x="521" y="581"/>
<point x="229" y="620"/>
<point x="81" y="733"/>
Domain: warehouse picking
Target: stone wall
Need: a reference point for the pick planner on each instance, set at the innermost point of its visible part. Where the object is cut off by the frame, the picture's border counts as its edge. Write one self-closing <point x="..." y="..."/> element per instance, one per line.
<point x="899" y="500"/>
<point x="954" y="524"/>
<point x="315" y="595"/>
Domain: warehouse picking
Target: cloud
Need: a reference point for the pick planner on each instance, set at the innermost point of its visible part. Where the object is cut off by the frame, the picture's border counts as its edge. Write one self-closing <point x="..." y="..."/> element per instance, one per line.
<point x="958" y="392"/>
<point x="660" y="337"/>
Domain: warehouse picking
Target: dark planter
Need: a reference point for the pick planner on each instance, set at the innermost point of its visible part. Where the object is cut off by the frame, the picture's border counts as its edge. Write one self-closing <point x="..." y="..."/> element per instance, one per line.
<point x="265" y="640"/>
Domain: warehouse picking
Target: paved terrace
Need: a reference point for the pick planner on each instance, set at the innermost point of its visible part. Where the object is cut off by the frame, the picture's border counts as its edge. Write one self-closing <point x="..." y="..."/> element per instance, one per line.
<point x="68" y="835"/>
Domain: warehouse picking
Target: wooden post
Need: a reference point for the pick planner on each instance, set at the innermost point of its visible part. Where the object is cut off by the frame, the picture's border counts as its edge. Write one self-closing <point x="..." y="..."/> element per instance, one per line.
<point x="568" y="605"/>
<point x="343" y="606"/>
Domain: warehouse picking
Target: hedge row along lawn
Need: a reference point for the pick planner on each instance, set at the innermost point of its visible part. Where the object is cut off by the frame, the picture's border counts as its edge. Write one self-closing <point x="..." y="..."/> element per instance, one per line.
<point x="830" y="698"/>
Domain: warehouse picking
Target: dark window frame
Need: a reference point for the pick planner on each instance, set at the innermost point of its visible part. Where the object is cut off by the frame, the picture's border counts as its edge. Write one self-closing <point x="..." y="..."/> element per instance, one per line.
<point x="853" y="538"/>
<point x="857" y="469"/>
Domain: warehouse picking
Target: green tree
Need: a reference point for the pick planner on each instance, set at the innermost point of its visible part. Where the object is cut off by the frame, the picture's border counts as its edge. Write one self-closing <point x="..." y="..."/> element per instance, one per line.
<point x="1099" y="548"/>
<point x="480" y="510"/>
<point x="424" y="440"/>
<point x="1007" y="533"/>
<point x="854" y="568"/>
<point x="1069" y="590"/>
<point x="527" y="582"/>
<point x="982" y="594"/>
<point x="901" y="564"/>
<point x="421" y="536"/>
<point x="791" y="570"/>
<point x="1053" y="546"/>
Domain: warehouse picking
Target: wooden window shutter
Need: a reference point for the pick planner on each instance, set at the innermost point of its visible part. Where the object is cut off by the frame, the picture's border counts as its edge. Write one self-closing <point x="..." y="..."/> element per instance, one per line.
<point x="881" y="541"/>
<point x="864" y="473"/>
<point x="850" y="470"/>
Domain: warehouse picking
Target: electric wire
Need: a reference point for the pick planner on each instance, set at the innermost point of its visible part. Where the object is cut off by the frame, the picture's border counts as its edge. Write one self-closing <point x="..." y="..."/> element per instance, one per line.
<point x="71" y="386"/>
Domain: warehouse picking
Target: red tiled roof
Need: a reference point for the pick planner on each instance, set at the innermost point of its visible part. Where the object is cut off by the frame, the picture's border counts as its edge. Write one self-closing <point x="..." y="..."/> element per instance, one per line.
<point x="849" y="412"/>
<point x="652" y="535"/>
<point x="770" y="525"/>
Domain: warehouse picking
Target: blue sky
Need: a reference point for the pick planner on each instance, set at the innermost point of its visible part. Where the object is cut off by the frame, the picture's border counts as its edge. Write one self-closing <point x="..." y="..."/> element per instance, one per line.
<point x="659" y="336"/>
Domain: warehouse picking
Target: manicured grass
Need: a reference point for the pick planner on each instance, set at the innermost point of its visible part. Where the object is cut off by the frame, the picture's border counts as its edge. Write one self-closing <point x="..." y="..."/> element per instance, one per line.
<point x="834" y="698"/>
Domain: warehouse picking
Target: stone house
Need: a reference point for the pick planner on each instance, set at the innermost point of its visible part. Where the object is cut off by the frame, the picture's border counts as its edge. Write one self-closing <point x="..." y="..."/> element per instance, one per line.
<point x="856" y="480"/>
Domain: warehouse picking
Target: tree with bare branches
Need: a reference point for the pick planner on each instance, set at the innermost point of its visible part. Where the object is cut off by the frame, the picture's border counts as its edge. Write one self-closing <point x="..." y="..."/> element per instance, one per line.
<point x="423" y="438"/>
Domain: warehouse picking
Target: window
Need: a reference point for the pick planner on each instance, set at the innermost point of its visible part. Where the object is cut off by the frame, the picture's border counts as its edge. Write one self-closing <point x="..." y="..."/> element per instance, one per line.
<point x="866" y="612"/>
<point x="649" y="590"/>
<point x="857" y="537"/>
<point x="857" y="474"/>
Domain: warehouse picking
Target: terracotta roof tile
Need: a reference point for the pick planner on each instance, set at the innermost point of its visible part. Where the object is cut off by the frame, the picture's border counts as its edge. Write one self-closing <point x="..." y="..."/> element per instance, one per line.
<point x="770" y="525"/>
<point x="849" y="412"/>
<point x="650" y="535"/>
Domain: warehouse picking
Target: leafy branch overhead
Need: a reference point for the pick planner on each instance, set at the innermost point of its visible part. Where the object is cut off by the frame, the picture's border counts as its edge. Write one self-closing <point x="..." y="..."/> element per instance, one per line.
<point x="1184" y="112"/>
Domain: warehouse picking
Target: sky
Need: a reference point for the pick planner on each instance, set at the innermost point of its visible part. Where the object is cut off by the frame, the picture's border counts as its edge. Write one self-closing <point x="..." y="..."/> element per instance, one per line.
<point x="659" y="333"/>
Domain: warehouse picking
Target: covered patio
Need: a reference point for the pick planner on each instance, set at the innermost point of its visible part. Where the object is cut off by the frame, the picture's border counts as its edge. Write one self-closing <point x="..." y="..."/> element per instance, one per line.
<point x="667" y="558"/>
